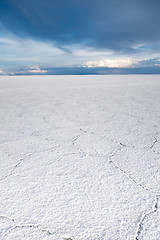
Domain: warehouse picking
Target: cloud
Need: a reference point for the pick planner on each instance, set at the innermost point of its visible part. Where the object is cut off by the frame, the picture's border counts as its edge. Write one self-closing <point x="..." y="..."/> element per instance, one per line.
<point x="149" y="62"/>
<point x="28" y="47"/>
<point x="130" y="63"/>
<point x="83" y="51"/>
<point x="20" y="52"/>
<point x="110" y="66"/>
<point x="111" y="63"/>
<point x="116" y="25"/>
<point x="30" y="70"/>
<point x="36" y="69"/>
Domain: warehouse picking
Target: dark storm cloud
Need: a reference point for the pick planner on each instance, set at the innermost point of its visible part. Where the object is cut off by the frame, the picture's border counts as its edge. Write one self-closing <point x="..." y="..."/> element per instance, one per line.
<point x="115" y="24"/>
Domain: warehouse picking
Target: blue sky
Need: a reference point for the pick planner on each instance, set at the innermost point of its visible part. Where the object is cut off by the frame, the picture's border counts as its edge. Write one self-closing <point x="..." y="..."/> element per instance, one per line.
<point x="87" y="36"/>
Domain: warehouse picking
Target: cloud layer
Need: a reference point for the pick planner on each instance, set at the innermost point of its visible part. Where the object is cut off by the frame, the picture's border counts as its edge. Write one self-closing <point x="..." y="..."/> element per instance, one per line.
<point x="111" y="63"/>
<point x="112" y="24"/>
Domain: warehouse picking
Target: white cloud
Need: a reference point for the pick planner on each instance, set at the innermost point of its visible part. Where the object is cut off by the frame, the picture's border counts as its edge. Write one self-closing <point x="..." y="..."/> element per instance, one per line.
<point x="36" y="69"/>
<point x="84" y="51"/>
<point x="32" y="46"/>
<point x="22" y="52"/>
<point x="111" y="63"/>
<point x="2" y="72"/>
<point x="30" y="70"/>
<point x="138" y="45"/>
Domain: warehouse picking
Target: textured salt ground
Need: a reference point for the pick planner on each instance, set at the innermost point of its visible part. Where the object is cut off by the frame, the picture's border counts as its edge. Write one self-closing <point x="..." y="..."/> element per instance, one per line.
<point x="80" y="157"/>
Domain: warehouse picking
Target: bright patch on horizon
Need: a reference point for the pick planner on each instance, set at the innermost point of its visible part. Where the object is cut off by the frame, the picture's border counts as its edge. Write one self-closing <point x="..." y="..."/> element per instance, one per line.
<point x="111" y="63"/>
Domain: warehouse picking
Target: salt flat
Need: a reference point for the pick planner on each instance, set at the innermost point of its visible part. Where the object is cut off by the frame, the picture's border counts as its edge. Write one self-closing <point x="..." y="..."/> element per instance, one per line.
<point x="80" y="157"/>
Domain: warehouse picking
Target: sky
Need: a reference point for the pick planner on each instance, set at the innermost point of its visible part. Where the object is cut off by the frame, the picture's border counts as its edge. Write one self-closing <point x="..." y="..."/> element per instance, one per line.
<point x="79" y="37"/>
